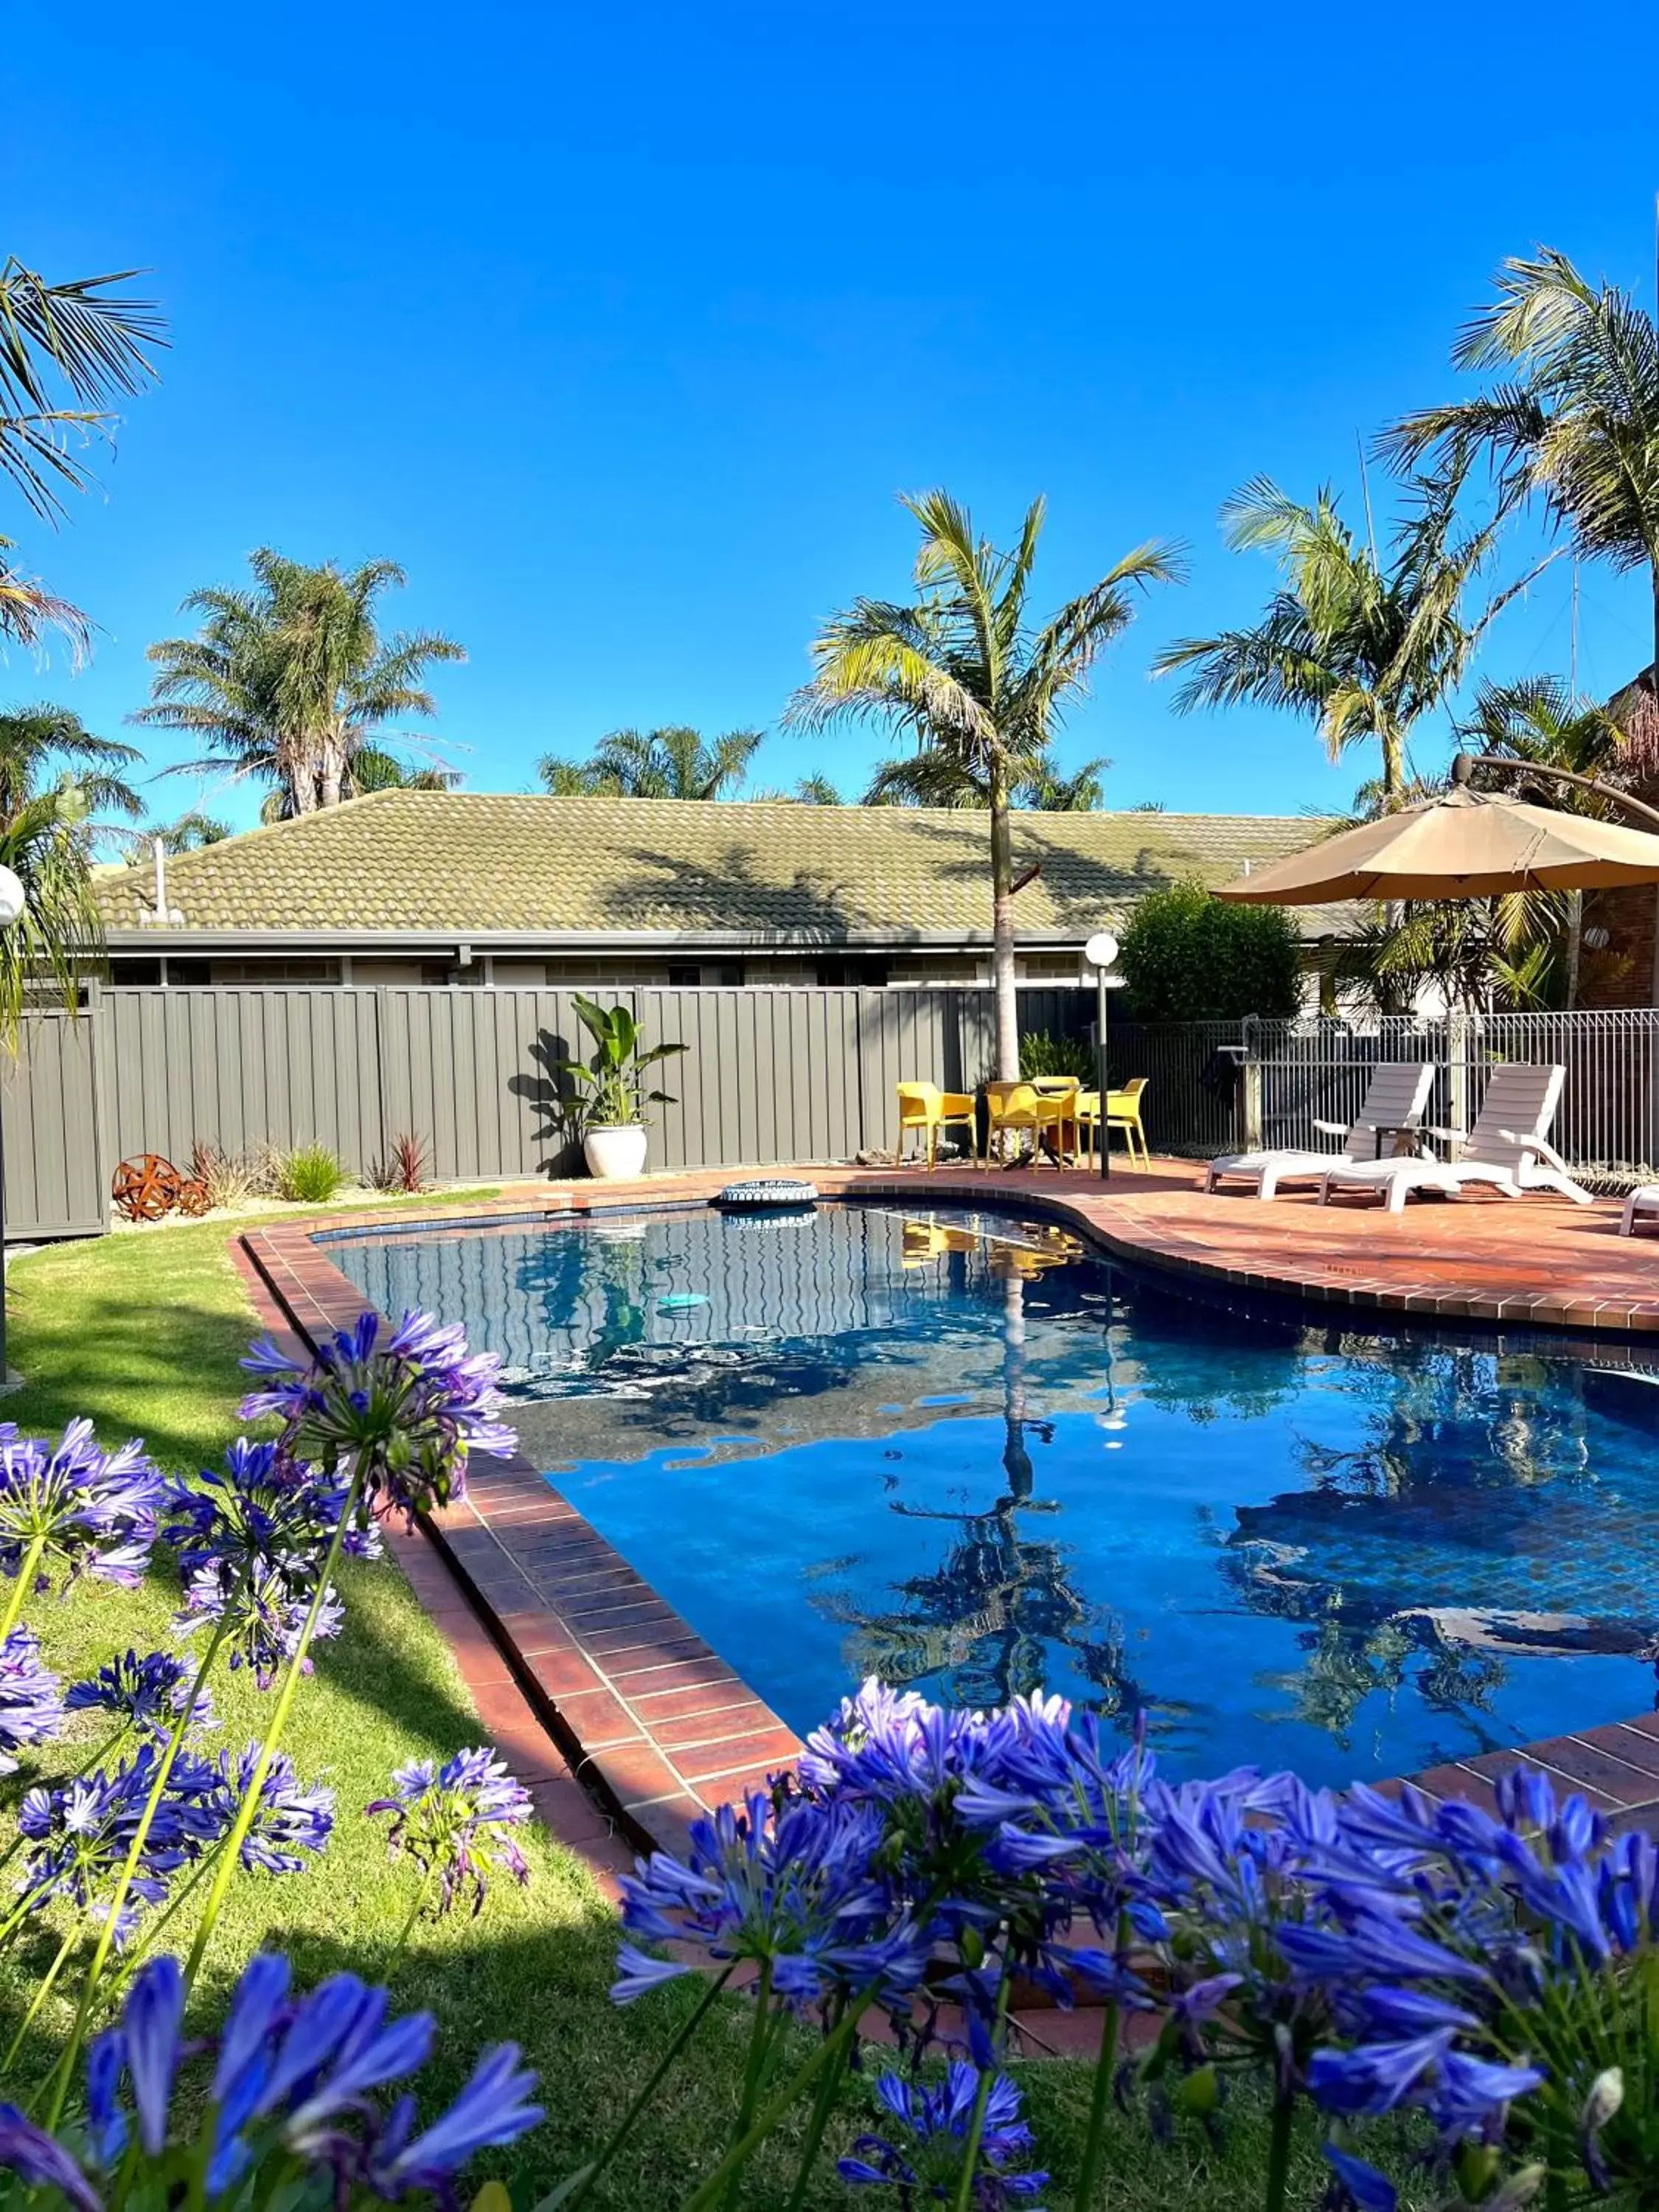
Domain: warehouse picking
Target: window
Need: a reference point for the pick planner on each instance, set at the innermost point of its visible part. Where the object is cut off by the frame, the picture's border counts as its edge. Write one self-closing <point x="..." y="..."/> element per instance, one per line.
<point x="684" y="974"/>
<point x="134" y="971"/>
<point x="182" y="974"/>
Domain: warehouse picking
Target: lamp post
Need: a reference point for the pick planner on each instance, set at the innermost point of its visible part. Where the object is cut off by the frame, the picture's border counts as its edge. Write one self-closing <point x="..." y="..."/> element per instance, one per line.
<point x="1100" y="952"/>
<point x="13" y="901"/>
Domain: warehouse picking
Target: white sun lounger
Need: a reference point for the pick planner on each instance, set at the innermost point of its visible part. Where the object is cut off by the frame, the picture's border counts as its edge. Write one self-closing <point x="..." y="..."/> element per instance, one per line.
<point x="1395" y="1098"/>
<point x="1642" y="1204"/>
<point x="1508" y="1150"/>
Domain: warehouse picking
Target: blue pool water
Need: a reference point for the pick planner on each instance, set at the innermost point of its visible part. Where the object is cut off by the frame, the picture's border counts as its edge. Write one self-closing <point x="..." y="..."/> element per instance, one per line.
<point x="967" y="1455"/>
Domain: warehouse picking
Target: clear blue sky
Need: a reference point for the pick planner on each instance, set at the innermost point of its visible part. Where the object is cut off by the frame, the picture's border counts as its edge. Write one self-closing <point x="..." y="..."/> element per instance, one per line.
<point x="621" y="328"/>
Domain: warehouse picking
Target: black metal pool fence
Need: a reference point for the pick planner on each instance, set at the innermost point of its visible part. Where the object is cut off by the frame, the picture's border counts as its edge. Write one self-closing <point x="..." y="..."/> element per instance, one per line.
<point x="771" y="1074"/>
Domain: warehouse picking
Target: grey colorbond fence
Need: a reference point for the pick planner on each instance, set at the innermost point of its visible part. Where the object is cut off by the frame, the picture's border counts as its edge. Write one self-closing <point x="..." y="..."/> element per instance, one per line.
<point x="769" y="1075"/>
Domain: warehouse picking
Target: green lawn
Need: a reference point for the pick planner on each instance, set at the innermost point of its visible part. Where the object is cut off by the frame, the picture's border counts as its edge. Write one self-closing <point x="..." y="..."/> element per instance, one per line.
<point x="142" y="1332"/>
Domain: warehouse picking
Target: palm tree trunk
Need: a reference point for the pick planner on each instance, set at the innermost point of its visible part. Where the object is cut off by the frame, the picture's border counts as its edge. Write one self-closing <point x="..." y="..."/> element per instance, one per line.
<point x="330" y="774"/>
<point x="1575" y="945"/>
<point x="1002" y="933"/>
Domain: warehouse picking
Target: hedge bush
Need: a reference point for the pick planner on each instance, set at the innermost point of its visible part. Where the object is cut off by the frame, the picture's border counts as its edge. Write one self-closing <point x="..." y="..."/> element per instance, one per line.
<point x="1188" y="957"/>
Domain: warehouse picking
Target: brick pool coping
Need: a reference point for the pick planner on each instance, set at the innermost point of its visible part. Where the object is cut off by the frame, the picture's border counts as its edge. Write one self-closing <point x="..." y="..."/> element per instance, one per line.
<point x="625" y="1725"/>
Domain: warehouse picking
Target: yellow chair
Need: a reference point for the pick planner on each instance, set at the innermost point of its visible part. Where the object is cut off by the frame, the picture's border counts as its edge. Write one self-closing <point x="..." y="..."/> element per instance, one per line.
<point x="1122" y="1112"/>
<point x="1021" y="1107"/>
<point x="925" y="1107"/>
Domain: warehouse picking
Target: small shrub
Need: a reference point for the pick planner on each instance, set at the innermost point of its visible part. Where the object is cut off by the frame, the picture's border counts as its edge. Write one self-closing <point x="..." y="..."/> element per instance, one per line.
<point x="1188" y="956"/>
<point x="403" y="1168"/>
<point x="1042" y="1055"/>
<point x="228" y="1181"/>
<point x="310" y="1175"/>
<point x="261" y="1163"/>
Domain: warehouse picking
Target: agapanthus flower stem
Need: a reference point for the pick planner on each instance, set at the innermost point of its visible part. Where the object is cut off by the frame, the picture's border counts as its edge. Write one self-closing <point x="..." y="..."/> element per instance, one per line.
<point x="831" y="2049"/>
<point x="823" y="2105"/>
<point x="181" y="1727"/>
<point x="48" y="1981"/>
<point x="1279" y="2149"/>
<point x="655" y="2081"/>
<point x="1100" y="2100"/>
<point x="759" y="2037"/>
<point x="22" y="1584"/>
<point x="248" y="1810"/>
<point x="988" y="2075"/>
<point x="151" y="1932"/>
<point x="415" y="1912"/>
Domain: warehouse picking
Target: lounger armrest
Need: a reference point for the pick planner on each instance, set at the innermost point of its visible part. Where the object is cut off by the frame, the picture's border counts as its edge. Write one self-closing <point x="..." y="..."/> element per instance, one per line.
<point x="1446" y="1136"/>
<point x="1541" y="1145"/>
<point x="1332" y="1128"/>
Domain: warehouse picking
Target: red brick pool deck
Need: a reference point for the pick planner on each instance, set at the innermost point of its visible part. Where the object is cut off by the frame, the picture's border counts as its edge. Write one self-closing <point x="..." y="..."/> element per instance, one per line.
<point x="625" y="1725"/>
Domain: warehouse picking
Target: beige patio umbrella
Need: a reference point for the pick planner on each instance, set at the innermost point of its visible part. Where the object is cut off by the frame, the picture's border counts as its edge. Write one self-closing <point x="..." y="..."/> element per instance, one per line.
<point x="1464" y="844"/>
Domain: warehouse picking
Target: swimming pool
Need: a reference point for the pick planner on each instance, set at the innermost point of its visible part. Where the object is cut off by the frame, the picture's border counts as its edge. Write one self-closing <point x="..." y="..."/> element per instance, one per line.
<point x="968" y="1454"/>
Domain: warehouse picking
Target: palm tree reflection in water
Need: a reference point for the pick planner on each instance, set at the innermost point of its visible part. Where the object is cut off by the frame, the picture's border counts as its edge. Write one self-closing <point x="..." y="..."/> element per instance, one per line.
<point x="981" y="1628"/>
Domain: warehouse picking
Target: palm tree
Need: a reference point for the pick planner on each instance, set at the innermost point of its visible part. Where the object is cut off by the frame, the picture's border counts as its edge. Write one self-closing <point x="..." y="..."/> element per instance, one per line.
<point x="76" y="342"/>
<point x="290" y="681"/>
<point x="671" y="763"/>
<point x="43" y="744"/>
<point x="59" y="934"/>
<point x="1579" y="430"/>
<point x="370" y="768"/>
<point x="1538" y="720"/>
<point x="190" y="832"/>
<point x="1362" y="647"/>
<point x="963" y="672"/>
<point x="934" y="779"/>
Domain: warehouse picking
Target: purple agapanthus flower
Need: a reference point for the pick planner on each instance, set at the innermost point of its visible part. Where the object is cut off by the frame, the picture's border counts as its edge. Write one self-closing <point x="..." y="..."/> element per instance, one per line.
<point x="797" y="1889"/>
<point x="261" y="1509"/>
<point x="266" y="1618"/>
<point x="80" y="1832"/>
<point x="401" y="1415"/>
<point x="31" y="1710"/>
<point x="293" y="1822"/>
<point x="149" y="1692"/>
<point x="455" y="1822"/>
<point x="925" y="2156"/>
<point x="295" y="2080"/>
<point x="89" y="1511"/>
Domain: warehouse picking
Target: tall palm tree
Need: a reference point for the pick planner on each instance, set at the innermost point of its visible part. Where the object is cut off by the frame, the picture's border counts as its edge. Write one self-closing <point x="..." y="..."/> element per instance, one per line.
<point x="1360" y="645"/>
<point x="964" y="672"/>
<point x="40" y="746"/>
<point x="1575" y="427"/>
<point x="671" y="763"/>
<point x="290" y="680"/>
<point x="66" y="350"/>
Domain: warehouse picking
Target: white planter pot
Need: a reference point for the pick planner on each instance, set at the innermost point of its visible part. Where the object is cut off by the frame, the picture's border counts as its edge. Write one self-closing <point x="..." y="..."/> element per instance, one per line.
<point x="615" y="1151"/>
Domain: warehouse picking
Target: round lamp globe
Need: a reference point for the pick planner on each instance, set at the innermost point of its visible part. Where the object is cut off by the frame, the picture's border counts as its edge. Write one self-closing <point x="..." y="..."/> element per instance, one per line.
<point x="1100" y="950"/>
<point x="12" y="899"/>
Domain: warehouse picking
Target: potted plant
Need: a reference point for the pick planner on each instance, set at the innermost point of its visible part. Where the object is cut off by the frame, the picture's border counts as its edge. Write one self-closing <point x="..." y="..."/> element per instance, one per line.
<point x="612" y="1093"/>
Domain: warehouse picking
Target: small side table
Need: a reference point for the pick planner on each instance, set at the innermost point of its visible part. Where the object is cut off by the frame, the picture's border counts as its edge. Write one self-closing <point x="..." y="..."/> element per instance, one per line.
<point x="1395" y="1129"/>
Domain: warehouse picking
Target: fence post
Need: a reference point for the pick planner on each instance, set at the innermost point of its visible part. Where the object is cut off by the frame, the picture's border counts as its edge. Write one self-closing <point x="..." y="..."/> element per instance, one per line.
<point x="1457" y="1071"/>
<point x="1249" y="1095"/>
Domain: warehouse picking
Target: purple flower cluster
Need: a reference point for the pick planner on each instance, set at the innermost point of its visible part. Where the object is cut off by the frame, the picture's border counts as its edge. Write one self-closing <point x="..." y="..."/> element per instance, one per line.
<point x="89" y="1511"/>
<point x="79" y="1832"/>
<point x="31" y="1711"/>
<point x="297" y="2081"/>
<point x="403" y="1416"/>
<point x="1367" y="1956"/>
<point x="455" y="1822"/>
<point x="251" y="1538"/>
<point x="934" y="2125"/>
<point x="148" y="1693"/>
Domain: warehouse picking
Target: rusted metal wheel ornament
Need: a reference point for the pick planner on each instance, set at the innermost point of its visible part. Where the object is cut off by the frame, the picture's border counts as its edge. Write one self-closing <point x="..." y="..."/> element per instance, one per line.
<point x="146" y="1187"/>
